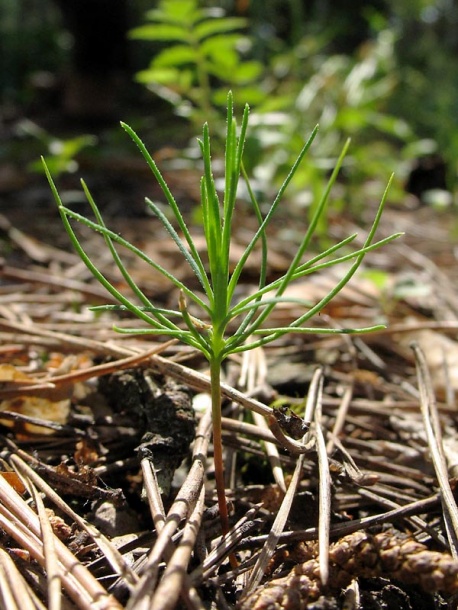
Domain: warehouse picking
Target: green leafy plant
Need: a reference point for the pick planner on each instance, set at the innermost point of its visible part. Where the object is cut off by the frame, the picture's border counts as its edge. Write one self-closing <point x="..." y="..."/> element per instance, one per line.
<point x="203" y="57"/>
<point x="62" y="153"/>
<point x="348" y="96"/>
<point x="223" y="326"/>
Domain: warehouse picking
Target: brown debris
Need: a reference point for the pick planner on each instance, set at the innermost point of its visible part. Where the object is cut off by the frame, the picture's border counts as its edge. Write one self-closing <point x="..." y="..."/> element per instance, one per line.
<point x="359" y="555"/>
<point x="125" y="415"/>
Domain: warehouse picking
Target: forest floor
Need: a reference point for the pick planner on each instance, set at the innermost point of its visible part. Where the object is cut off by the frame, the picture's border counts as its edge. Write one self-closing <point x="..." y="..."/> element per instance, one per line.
<point x="88" y="414"/>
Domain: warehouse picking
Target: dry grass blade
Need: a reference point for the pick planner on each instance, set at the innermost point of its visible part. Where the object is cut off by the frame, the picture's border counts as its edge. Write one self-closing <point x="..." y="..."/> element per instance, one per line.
<point x="15" y="593"/>
<point x="151" y="486"/>
<point x="194" y="379"/>
<point x="53" y="280"/>
<point x="18" y="519"/>
<point x="341" y="416"/>
<point x="49" y="550"/>
<point x="182" y="507"/>
<point x="434" y="436"/>
<point x="254" y="374"/>
<point x="113" y="556"/>
<point x="225" y="546"/>
<point x="324" y="519"/>
<point x="283" y="513"/>
<point x="169" y="588"/>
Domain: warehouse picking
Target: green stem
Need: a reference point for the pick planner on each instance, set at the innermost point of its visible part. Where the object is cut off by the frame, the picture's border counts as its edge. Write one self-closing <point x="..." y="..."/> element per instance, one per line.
<point x="204" y="99"/>
<point x="215" y="378"/>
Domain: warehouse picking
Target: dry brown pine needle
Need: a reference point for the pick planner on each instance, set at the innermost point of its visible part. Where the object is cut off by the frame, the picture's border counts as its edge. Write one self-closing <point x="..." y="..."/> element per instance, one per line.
<point x="388" y="554"/>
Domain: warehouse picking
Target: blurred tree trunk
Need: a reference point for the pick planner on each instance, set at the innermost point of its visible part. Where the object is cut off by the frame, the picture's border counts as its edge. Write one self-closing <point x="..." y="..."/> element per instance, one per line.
<point x="99" y="57"/>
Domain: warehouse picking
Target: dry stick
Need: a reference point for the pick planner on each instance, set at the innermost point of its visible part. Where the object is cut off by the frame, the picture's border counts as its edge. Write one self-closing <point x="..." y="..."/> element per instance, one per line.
<point x="83" y="343"/>
<point x="414" y="519"/>
<point x="109" y="367"/>
<point x="73" y="377"/>
<point x="324" y="501"/>
<point x="199" y="381"/>
<point x="282" y="515"/>
<point x="19" y="531"/>
<point x="341" y="416"/>
<point x="252" y="376"/>
<point x="434" y="436"/>
<point x="194" y="379"/>
<point x="225" y="545"/>
<point x="19" y="520"/>
<point x="183" y="505"/>
<point x="171" y="584"/>
<point x="15" y="593"/>
<point x="7" y="599"/>
<point x="35" y="249"/>
<point x="408" y="327"/>
<point x="113" y="556"/>
<point x="343" y="529"/>
<point x="357" y="476"/>
<point x="50" y="382"/>
<point x="38" y="421"/>
<point x="243" y="427"/>
<point x="272" y="454"/>
<point x="441" y="279"/>
<point x="151" y="486"/>
<point x="58" y="281"/>
<point x="49" y="551"/>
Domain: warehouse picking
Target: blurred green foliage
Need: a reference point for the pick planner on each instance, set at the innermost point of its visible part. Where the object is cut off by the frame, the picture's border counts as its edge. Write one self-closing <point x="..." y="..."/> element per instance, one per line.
<point x="384" y="73"/>
<point x="370" y="94"/>
<point x="61" y="153"/>
<point x="201" y="58"/>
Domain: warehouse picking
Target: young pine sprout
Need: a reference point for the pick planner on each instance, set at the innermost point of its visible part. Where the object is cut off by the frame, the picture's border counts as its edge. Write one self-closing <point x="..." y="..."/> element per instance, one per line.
<point x="247" y="318"/>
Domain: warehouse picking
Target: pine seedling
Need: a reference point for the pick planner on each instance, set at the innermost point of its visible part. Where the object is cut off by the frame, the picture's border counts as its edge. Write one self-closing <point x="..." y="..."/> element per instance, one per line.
<point x="224" y="326"/>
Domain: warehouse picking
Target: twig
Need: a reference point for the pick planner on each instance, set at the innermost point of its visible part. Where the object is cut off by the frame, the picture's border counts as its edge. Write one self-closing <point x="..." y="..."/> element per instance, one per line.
<point x="225" y="546"/>
<point x="283" y="513"/>
<point x="49" y="550"/>
<point x="434" y="436"/>
<point x="182" y="507"/>
<point x="113" y="556"/>
<point x="167" y="593"/>
<point x="414" y="519"/>
<point x="30" y="387"/>
<point x="343" y="529"/>
<point x="20" y="522"/>
<point x="15" y="593"/>
<point x="341" y="416"/>
<point x="324" y="504"/>
<point x="257" y="377"/>
<point x="151" y="486"/>
<point x="57" y="281"/>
